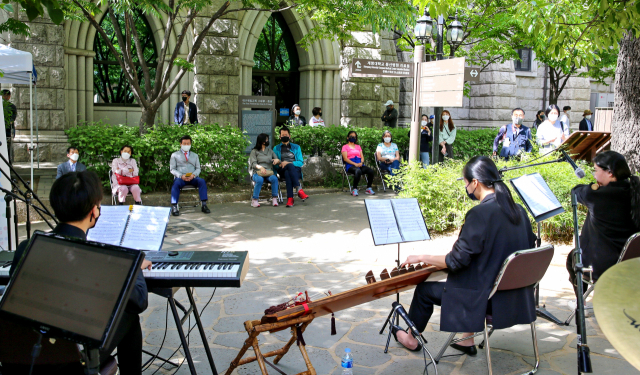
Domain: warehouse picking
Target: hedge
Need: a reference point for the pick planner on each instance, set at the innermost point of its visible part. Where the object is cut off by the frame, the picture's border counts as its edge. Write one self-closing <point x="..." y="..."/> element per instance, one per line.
<point x="221" y="151"/>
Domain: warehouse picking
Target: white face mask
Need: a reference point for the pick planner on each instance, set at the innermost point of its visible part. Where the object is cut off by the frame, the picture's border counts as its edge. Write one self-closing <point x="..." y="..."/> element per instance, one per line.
<point x="423" y="123"/>
<point x="588" y="117"/>
<point x="75" y="157"/>
<point x="297" y="112"/>
<point x="553" y="117"/>
<point x="186" y="148"/>
<point x="567" y="112"/>
<point x="125" y="155"/>
<point x="387" y="139"/>
<point x="517" y="120"/>
<point x="445" y="117"/>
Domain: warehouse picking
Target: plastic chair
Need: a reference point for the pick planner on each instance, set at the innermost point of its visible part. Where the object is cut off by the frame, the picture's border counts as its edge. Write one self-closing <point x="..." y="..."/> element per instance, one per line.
<point x="114" y="197"/>
<point x="345" y="175"/>
<point x="520" y="270"/>
<point x="266" y="184"/>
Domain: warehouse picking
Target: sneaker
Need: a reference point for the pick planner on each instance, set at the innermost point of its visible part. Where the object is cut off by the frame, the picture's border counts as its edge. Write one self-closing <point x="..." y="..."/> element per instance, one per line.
<point x="175" y="211"/>
<point x="370" y="191"/>
<point x="302" y="195"/>
<point x="255" y="203"/>
<point x="274" y="202"/>
<point x="354" y="192"/>
<point x="289" y="202"/>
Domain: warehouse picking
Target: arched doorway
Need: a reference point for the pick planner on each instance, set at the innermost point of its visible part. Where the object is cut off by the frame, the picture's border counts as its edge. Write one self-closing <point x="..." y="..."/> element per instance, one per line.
<point x="275" y="72"/>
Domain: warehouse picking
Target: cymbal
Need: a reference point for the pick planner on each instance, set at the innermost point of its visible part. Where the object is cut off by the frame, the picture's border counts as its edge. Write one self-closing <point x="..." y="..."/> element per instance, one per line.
<point x="616" y="303"/>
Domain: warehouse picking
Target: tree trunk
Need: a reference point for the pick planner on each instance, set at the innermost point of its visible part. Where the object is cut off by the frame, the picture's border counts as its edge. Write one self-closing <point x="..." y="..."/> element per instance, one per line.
<point x="147" y="119"/>
<point x="626" y="111"/>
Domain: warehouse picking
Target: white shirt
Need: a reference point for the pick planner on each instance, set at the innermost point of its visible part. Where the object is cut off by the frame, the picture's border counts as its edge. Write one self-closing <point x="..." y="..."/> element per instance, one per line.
<point x="186" y="113"/>
<point x="73" y="165"/>
<point x="316" y="121"/>
<point x="548" y="131"/>
<point x="567" y="123"/>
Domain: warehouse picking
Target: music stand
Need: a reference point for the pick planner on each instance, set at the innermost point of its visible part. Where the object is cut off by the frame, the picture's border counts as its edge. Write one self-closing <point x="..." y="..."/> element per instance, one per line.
<point x="584" y="145"/>
<point x="72" y="289"/>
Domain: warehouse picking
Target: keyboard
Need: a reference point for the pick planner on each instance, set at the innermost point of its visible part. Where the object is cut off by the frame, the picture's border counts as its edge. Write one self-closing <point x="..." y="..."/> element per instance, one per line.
<point x="196" y="269"/>
<point x="6" y="258"/>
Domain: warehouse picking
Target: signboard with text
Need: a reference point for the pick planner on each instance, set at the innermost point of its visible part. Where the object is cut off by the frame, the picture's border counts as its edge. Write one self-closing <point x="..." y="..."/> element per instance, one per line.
<point x="442" y="82"/>
<point x="256" y="114"/>
<point x="379" y="68"/>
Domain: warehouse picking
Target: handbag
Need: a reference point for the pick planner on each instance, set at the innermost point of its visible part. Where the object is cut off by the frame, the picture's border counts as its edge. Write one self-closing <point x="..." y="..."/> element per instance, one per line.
<point x="263" y="172"/>
<point x="126" y="181"/>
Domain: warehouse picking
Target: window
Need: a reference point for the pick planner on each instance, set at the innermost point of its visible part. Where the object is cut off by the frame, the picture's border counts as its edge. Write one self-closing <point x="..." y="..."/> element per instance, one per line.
<point x="109" y="83"/>
<point x="524" y="64"/>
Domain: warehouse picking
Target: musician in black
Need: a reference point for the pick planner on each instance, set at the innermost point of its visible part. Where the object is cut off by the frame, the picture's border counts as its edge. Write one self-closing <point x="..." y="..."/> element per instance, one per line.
<point x="75" y="198"/>
<point x="614" y="214"/>
<point x="493" y="230"/>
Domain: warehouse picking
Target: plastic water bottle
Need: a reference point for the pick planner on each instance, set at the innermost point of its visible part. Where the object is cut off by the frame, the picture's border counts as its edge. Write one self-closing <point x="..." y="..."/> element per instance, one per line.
<point x="347" y="362"/>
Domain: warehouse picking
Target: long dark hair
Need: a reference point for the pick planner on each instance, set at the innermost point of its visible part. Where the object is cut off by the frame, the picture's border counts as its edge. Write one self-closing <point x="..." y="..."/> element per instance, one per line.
<point x="262" y="138"/>
<point x="485" y="171"/>
<point x="615" y="163"/>
<point x="450" y="121"/>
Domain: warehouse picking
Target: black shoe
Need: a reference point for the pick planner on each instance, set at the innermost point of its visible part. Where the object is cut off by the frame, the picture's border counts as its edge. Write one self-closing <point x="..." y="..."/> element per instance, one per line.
<point x="175" y="211"/>
<point x="394" y="331"/>
<point x="205" y="209"/>
<point x="138" y="203"/>
<point x="469" y="350"/>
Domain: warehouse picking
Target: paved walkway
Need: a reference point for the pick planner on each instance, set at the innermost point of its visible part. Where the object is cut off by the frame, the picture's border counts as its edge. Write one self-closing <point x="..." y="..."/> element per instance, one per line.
<point x="324" y="244"/>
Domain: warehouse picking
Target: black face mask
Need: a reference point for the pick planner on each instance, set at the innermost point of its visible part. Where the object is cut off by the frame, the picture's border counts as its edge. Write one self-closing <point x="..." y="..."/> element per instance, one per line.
<point x="320" y="114"/>
<point x="266" y="144"/>
<point x="99" y="214"/>
<point x="184" y="98"/>
<point x="284" y="139"/>
<point x="352" y="139"/>
<point x="470" y="195"/>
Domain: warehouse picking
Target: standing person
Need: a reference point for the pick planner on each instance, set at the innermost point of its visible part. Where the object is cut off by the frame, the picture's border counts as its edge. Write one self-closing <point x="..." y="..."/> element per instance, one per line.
<point x="515" y="137"/>
<point x="586" y="125"/>
<point x="316" y="120"/>
<point x="185" y="112"/>
<point x="387" y="154"/>
<point x="185" y="167"/>
<point x="447" y="136"/>
<point x="261" y="160"/>
<point x="390" y="116"/>
<point x="75" y="199"/>
<point x="473" y="264"/>
<point x="290" y="167"/>
<point x="296" y="119"/>
<point x="539" y="119"/>
<point x="432" y="118"/>
<point x="551" y="132"/>
<point x="353" y="159"/>
<point x="426" y="127"/>
<point x="127" y="167"/>
<point x="10" y="113"/>
<point x="564" y="119"/>
<point x="73" y="165"/>
<point x="613" y="205"/>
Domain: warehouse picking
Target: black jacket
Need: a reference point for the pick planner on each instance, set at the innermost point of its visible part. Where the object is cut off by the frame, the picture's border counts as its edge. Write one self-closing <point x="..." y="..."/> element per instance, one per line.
<point x="300" y="121"/>
<point x="390" y="118"/>
<point x="608" y="224"/>
<point x="583" y="125"/>
<point x="486" y="239"/>
<point x="425" y="139"/>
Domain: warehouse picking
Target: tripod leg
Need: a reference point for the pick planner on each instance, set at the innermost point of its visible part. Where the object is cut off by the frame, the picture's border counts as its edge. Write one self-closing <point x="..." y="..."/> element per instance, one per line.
<point x="203" y="336"/>
<point x="386" y="348"/>
<point x="386" y="322"/>
<point x="183" y="340"/>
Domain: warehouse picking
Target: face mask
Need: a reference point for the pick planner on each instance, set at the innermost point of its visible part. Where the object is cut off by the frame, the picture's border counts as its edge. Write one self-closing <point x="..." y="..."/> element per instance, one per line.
<point x="297" y="112"/>
<point x="470" y="195"/>
<point x="542" y="117"/>
<point x="352" y="139"/>
<point x="423" y="123"/>
<point x="553" y="117"/>
<point x="387" y="139"/>
<point x="445" y="118"/>
<point x="95" y="221"/>
<point x="388" y="108"/>
<point x="186" y="148"/>
<point x="567" y="112"/>
<point x="588" y="117"/>
<point x="284" y="139"/>
<point x="320" y="114"/>
<point x="125" y="155"/>
<point x="184" y="98"/>
<point x="517" y="120"/>
<point x="75" y="157"/>
<point x="266" y="144"/>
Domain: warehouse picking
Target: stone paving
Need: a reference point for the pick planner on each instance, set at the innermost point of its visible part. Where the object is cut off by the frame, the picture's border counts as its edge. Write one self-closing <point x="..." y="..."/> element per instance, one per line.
<point x="325" y="244"/>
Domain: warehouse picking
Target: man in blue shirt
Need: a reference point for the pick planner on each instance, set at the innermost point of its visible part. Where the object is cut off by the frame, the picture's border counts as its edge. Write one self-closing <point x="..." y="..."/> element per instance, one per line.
<point x="515" y="137"/>
<point x="290" y="168"/>
<point x="586" y="125"/>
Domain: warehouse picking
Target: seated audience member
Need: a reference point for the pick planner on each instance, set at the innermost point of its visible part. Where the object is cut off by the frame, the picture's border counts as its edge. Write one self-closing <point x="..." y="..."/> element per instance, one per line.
<point x="125" y="166"/>
<point x="290" y="167"/>
<point x="353" y="159"/>
<point x="387" y="154"/>
<point x="262" y="159"/>
<point x="72" y="165"/>
<point x="185" y="166"/>
<point x="75" y="199"/>
<point x="316" y="120"/>
<point x="296" y="119"/>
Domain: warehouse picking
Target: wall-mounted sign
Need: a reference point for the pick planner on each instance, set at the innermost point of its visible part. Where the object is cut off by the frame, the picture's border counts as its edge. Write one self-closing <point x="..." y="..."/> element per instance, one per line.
<point x="472" y="74"/>
<point x="379" y="68"/>
<point x="284" y="111"/>
<point x="442" y="82"/>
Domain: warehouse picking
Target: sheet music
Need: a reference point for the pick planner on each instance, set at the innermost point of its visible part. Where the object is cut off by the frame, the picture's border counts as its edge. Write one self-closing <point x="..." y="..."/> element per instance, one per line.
<point x="146" y="228"/>
<point x="110" y="226"/>
<point x="382" y="221"/>
<point x="536" y="194"/>
<point x="410" y="220"/>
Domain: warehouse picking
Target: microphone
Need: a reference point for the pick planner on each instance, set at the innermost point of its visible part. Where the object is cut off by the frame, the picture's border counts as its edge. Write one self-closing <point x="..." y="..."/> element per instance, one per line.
<point x="577" y="170"/>
<point x="401" y="311"/>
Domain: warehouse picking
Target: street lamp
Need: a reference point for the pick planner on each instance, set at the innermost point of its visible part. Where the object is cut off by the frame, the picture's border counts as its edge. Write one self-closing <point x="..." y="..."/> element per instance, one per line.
<point x="455" y="34"/>
<point x="424" y="27"/>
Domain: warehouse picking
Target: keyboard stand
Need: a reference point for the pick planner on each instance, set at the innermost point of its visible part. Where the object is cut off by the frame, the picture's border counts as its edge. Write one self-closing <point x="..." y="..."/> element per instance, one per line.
<point x="169" y="293"/>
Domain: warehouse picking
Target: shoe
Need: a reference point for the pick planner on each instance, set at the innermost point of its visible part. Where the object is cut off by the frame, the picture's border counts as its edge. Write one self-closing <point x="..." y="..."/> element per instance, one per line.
<point x="469" y="350"/>
<point x="370" y="191"/>
<point x="138" y="203"/>
<point x="302" y="195"/>
<point x="289" y="202"/>
<point x="175" y="211"/>
<point x="255" y="203"/>
<point x="205" y="209"/>
<point x="394" y="331"/>
<point x="354" y="192"/>
<point x="274" y="202"/>
<point x="573" y="305"/>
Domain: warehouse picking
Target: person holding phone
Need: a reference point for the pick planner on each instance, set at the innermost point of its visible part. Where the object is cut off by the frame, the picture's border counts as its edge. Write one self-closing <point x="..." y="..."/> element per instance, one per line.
<point x="387" y="154"/>
<point x="426" y="136"/>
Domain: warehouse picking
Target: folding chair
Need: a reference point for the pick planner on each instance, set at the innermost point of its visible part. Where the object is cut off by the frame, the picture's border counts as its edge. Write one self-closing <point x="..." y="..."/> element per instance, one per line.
<point x="381" y="172"/>
<point x="266" y="184"/>
<point x="630" y="250"/>
<point x="345" y="175"/>
<point x="114" y="197"/>
<point x="521" y="269"/>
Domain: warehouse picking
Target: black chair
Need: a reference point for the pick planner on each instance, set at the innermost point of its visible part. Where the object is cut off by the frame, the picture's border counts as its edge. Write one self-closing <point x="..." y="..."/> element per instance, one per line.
<point x="345" y="175"/>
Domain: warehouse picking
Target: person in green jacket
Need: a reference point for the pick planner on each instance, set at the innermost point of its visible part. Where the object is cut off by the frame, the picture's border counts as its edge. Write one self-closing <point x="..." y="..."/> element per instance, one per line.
<point x="290" y="168"/>
<point x="390" y="116"/>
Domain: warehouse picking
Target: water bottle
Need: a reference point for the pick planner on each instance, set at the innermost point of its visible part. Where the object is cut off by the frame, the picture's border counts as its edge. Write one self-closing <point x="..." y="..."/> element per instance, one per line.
<point x="347" y="362"/>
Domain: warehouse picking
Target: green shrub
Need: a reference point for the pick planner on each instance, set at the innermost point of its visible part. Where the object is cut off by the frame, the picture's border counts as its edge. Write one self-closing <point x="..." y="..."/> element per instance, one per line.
<point x="221" y="151"/>
<point x="444" y="202"/>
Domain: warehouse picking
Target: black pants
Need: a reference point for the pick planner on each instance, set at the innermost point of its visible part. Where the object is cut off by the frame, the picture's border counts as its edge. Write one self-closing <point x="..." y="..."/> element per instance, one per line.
<point x="449" y="149"/>
<point x="128" y="341"/>
<point x="424" y="298"/>
<point x="291" y="175"/>
<point x="573" y="277"/>
<point x="357" y="172"/>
